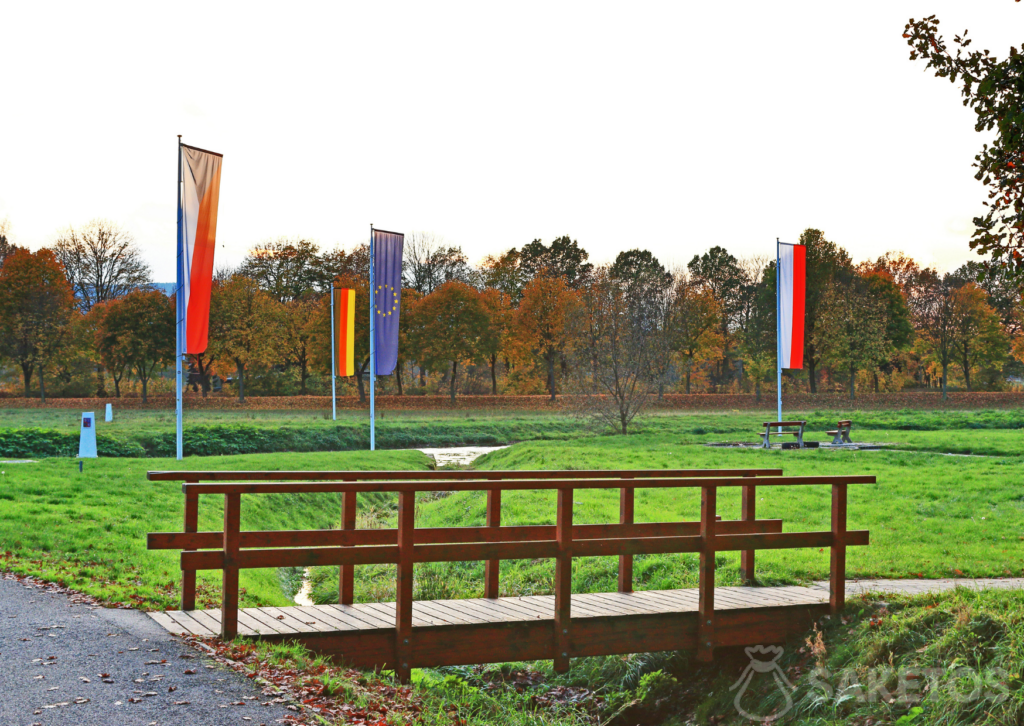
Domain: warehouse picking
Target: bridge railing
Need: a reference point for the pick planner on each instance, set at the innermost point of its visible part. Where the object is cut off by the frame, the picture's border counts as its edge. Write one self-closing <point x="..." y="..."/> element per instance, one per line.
<point x="231" y="549"/>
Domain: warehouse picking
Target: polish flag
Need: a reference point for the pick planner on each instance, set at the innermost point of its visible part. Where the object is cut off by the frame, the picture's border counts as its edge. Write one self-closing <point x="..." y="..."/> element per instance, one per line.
<point x="200" y="195"/>
<point x="792" y="293"/>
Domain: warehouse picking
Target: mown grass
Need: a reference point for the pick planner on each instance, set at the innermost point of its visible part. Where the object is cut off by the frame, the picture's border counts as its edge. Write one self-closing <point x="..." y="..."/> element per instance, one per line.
<point x="88" y="530"/>
<point x="929" y="516"/>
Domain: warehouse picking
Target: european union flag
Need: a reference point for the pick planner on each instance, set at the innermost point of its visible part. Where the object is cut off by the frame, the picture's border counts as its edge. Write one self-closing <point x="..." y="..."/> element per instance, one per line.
<point x="387" y="297"/>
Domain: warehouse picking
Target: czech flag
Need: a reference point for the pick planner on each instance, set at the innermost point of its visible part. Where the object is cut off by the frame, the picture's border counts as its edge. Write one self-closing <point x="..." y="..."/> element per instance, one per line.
<point x="200" y="172"/>
<point x="792" y="295"/>
<point x="344" y="331"/>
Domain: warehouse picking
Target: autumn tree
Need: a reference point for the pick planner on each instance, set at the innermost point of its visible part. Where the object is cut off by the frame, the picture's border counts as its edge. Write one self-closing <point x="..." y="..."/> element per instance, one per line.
<point x="899" y="330"/>
<point x="253" y="326"/>
<point x="7" y="247"/>
<point x="851" y="329"/>
<point x="937" y="318"/>
<point x="758" y="341"/>
<point x="428" y="262"/>
<point x="301" y="316"/>
<point x="446" y="327"/>
<point x="994" y="89"/>
<point x="978" y="338"/>
<point x="406" y="352"/>
<point x="494" y="340"/>
<point x="613" y="367"/>
<point x="283" y="268"/>
<point x="113" y="363"/>
<point x="563" y="258"/>
<point x="138" y="331"/>
<point x="102" y="262"/>
<point x="827" y="266"/>
<point x="693" y="325"/>
<point x="720" y="273"/>
<point x="505" y="273"/>
<point x="35" y="309"/>
<point x="541" y="321"/>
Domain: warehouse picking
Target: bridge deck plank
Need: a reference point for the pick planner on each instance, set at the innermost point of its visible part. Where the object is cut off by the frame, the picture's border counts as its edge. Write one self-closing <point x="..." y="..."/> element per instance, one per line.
<point x="372" y="617"/>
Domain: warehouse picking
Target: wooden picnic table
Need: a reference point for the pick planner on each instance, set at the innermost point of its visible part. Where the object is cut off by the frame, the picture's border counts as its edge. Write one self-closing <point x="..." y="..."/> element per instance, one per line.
<point x="789" y="425"/>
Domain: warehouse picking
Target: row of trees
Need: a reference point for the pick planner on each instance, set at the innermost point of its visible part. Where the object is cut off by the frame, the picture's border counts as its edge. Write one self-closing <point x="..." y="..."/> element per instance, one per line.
<point x="82" y="314"/>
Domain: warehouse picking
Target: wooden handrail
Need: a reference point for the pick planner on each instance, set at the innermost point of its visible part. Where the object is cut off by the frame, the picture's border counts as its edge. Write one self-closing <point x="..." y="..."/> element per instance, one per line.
<point x="454" y="475"/>
<point x="232" y="549"/>
<point x="512" y="484"/>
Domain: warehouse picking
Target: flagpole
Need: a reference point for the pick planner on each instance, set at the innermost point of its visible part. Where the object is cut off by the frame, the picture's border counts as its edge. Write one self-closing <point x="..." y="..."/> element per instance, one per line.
<point x="180" y="308"/>
<point x="778" y="329"/>
<point x="373" y="345"/>
<point x="334" y="370"/>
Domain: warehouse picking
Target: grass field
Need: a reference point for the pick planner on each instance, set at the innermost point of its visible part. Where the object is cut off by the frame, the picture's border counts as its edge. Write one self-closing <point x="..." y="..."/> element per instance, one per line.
<point x="930" y="514"/>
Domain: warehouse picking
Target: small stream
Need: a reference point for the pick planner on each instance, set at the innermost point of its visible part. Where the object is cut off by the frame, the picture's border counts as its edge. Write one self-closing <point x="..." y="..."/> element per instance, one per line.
<point x="454" y="456"/>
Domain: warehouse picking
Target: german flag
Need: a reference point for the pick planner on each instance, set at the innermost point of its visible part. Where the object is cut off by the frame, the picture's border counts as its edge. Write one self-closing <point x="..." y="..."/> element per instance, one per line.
<point x="344" y="330"/>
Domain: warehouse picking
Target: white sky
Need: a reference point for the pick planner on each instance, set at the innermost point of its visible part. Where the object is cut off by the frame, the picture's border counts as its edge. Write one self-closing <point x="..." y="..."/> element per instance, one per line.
<point x="671" y="126"/>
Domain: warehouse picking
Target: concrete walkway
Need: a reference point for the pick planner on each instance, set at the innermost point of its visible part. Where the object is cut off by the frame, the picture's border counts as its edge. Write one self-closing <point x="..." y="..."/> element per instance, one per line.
<point x="923" y="586"/>
<point x="63" y="661"/>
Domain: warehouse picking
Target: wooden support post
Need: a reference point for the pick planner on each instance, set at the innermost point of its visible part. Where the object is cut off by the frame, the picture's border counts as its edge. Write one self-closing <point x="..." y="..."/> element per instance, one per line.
<point x="188" y="577"/>
<point x="403" y="589"/>
<point x="748" y="514"/>
<point x="493" y="520"/>
<point x="706" y="601"/>
<point x="563" y="579"/>
<point x="626" y="496"/>
<point x="837" y="565"/>
<point x="346" y="573"/>
<point x="229" y="580"/>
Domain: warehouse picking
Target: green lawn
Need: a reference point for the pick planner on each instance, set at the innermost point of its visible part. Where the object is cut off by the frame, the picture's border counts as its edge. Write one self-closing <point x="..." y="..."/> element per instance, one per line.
<point x="88" y="530"/>
<point x="930" y="514"/>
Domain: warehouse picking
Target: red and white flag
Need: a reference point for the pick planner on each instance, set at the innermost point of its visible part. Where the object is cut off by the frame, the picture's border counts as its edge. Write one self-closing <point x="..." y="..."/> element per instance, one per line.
<point x="792" y="294"/>
<point x="200" y="195"/>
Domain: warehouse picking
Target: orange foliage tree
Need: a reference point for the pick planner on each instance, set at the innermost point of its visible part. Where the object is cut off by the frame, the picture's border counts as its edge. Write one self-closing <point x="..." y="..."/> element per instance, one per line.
<point x="137" y="332"/>
<point x="35" y="311"/>
<point x="446" y="327"/>
<point x="541" y="323"/>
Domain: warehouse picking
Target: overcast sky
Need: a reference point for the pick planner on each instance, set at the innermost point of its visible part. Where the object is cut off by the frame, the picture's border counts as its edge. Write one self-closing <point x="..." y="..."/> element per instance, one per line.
<point x="672" y="126"/>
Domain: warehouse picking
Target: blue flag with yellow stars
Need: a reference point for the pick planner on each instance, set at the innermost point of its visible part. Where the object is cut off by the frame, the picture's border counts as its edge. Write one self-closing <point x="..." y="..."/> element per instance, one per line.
<point x="387" y="297"/>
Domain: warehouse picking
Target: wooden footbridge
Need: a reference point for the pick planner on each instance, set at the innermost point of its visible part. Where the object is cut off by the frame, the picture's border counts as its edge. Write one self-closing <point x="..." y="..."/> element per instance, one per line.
<point x="405" y="634"/>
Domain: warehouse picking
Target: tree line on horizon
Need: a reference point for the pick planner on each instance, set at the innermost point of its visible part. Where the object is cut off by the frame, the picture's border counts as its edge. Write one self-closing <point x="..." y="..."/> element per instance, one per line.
<point x="81" y="318"/>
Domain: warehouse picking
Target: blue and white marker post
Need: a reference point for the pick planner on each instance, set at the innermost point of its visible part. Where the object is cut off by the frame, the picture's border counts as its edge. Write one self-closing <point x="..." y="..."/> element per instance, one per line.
<point x="87" y="437"/>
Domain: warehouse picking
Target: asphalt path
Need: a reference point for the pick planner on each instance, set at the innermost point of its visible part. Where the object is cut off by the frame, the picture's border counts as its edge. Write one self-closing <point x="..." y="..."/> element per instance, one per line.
<point x="66" y="662"/>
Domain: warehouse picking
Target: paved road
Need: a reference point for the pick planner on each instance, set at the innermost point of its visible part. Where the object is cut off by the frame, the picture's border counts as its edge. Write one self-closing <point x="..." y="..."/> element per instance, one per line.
<point x="53" y="652"/>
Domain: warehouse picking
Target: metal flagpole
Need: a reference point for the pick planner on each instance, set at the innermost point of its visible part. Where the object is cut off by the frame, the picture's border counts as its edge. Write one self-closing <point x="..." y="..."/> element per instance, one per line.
<point x="334" y="370"/>
<point x="180" y="307"/>
<point x="778" y="328"/>
<point x="373" y="346"/>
